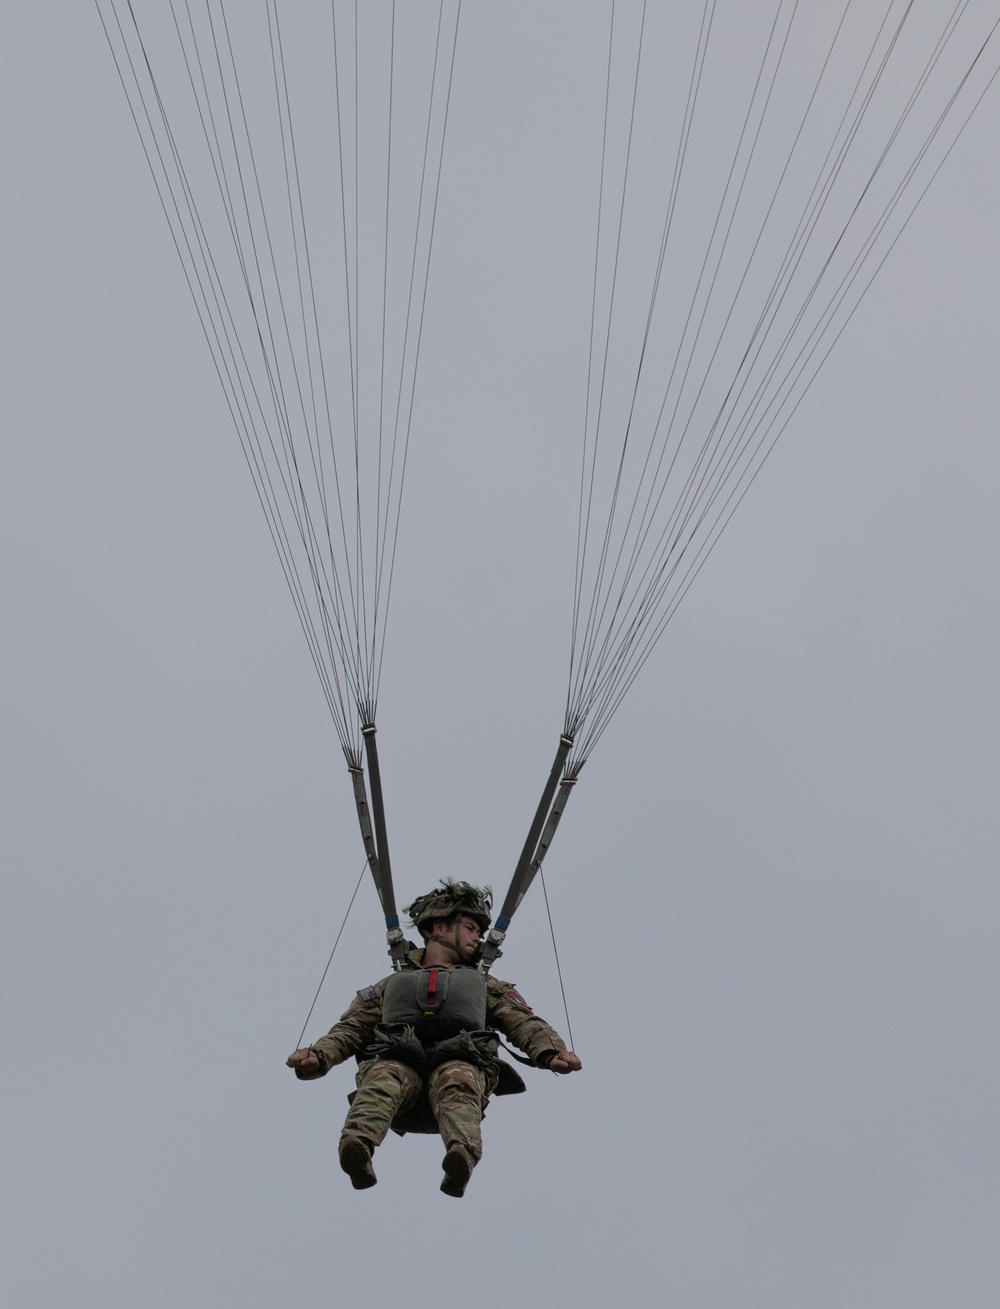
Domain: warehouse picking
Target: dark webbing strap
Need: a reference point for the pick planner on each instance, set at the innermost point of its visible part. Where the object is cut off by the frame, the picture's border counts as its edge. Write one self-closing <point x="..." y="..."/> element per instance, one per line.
<point x="522" y="872"/>
<point x="545" y="819"/>
<point x="377" y="842"/>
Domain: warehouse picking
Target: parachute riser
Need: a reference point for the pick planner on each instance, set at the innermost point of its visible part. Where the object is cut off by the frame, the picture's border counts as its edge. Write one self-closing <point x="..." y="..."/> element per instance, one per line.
<point x="539" y="838"/>
<point x="376" y="842"/>
<point x="364" y="821"/>
<point x="556" y="812"/>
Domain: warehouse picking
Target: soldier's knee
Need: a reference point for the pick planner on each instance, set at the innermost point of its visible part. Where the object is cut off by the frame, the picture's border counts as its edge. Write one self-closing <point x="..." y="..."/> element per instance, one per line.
<point x="456" y="1071"/>
<point x="457" y="1080"/>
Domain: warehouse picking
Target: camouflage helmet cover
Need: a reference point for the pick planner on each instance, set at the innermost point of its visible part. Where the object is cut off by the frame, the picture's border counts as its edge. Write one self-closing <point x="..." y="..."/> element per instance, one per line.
<point x="452" y="898"/>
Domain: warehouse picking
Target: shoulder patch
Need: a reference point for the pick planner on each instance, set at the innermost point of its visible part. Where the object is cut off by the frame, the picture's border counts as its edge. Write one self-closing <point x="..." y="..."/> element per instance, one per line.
<point x="511" y="994"/>
<point x="368" y="994"/>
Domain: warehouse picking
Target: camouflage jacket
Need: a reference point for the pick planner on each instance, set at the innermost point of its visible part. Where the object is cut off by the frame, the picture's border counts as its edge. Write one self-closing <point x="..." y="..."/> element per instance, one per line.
<point x="506" y="1013"/>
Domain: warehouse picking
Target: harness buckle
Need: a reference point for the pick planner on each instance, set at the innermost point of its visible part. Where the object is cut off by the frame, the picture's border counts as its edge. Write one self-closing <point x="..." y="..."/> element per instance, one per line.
<point x="490" y="950"/>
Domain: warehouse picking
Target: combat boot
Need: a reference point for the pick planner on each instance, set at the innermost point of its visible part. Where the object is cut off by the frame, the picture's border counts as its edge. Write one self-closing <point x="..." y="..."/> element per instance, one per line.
<point x="458" y="1165"/>
<point x="356" y="1161"/>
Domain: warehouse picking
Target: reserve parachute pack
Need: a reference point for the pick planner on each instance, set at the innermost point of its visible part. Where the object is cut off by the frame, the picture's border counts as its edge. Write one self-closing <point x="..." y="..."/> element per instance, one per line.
<point x="437" y="1003"/>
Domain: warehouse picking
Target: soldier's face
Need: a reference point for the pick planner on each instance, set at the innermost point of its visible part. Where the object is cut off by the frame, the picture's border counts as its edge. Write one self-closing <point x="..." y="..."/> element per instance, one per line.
<point x="467" y="937"/>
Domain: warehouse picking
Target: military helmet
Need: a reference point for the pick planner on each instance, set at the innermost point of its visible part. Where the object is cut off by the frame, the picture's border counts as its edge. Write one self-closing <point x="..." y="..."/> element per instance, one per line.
<point x="452" y="898"/>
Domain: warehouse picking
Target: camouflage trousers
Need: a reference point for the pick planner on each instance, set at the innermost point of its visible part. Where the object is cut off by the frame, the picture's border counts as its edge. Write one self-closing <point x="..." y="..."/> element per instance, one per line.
<point x="456" y="1090"/>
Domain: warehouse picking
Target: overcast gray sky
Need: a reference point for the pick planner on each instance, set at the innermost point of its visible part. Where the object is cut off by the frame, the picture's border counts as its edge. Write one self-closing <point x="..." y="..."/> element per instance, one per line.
<point x="776" y="890"/>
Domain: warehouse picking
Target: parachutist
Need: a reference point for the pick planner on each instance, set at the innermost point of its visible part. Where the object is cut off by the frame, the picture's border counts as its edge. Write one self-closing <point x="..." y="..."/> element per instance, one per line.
<point x="426" y="1042"/>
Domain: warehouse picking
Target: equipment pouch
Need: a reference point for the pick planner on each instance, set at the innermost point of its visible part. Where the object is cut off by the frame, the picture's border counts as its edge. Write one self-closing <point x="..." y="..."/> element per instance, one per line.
<point x="509" y="1080"/>
<point x="476" y="1048"/>
<point x="398" y="1041"/>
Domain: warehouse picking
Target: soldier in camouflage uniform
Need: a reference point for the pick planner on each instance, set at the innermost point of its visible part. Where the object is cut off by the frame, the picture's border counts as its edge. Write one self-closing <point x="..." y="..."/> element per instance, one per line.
<point x="426" y="1042"/>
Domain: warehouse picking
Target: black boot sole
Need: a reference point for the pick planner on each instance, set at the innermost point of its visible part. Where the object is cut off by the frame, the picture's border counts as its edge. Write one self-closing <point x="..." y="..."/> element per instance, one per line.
<point x="356" y="1161"/>
<point x="457" y="1171"/>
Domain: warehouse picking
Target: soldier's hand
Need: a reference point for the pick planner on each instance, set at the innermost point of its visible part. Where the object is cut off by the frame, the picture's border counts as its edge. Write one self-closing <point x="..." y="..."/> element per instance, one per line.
<point x="565" y="1061"/>
<point x="306" y="1059"/>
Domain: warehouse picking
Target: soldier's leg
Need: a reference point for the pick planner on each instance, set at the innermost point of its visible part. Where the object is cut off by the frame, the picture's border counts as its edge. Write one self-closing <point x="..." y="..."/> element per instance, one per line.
<point x="385" y="1088"/>
<point x="457" y="1092"/>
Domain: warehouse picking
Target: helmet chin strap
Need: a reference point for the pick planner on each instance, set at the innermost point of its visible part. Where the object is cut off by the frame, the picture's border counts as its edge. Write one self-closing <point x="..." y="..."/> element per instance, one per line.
<point x="455" y="946"/>
<point x="454" y="943"/>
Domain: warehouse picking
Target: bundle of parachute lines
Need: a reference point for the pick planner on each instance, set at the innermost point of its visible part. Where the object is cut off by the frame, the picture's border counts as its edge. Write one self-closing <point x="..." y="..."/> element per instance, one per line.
<point x="298" y="151"/>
